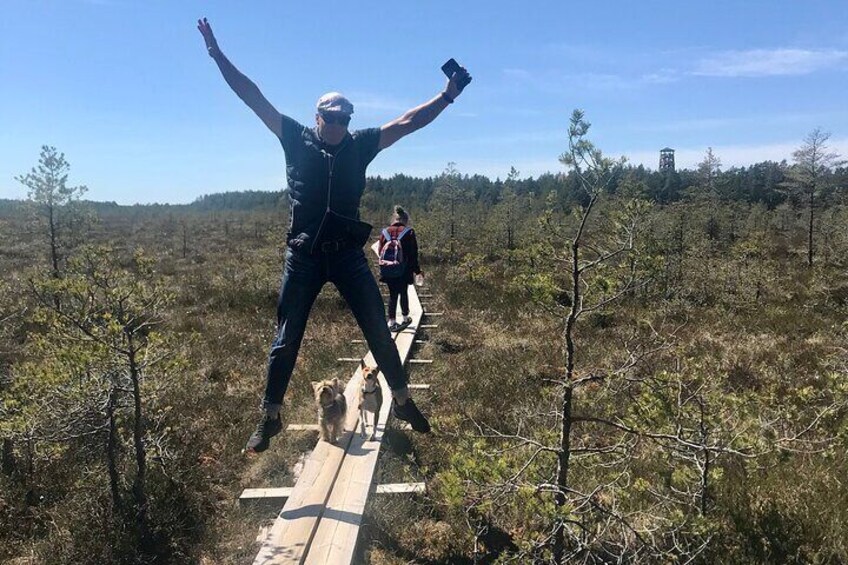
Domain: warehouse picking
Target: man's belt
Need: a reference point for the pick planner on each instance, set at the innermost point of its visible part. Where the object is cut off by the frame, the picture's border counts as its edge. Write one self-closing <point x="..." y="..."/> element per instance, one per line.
<point x="335" y="245"/>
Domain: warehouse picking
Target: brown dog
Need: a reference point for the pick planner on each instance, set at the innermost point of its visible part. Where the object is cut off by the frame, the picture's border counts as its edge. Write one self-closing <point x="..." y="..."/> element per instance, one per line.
<point x="332" y="408"/>
<point x="370" y="398"/>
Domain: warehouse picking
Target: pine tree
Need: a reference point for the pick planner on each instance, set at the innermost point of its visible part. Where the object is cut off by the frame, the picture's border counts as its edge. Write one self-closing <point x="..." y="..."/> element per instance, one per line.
<point x="809" y="176"/>
<point x="54" y="202"/>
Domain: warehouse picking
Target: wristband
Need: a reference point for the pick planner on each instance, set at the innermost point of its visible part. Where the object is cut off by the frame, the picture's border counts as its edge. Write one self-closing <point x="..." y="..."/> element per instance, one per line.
<point x="447" y="98"/>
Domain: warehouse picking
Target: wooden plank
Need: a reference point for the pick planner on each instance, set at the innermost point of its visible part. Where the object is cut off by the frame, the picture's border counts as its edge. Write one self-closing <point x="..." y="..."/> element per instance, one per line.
<point x="428" y="326"/>
<point x="338" y="531"/>
<point x="434" y="314"/>
<point x="418" y="386"/>
<point x="282" y="493"/>
<point x="420" y="361"/>
<point x="288" y="539"/>
<point x="400" y="488"/>
<point x="265" y="494"/>
<point x="303" y="427"/>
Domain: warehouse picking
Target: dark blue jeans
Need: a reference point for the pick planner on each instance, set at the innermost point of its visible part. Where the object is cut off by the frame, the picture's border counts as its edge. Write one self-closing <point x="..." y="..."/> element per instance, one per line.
<point x="303" y="277"/>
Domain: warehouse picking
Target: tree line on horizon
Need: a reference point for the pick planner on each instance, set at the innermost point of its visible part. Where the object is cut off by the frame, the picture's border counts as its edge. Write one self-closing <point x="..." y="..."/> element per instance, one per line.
<point x="766" y="182"/>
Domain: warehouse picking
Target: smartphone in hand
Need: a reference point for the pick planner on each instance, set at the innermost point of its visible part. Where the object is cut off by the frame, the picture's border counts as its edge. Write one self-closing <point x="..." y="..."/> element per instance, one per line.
<point x="451" y="67"/>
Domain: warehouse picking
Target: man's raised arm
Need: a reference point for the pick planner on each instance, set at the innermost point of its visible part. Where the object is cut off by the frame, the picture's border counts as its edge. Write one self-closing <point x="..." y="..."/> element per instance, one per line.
<point x="241" y="85"/>
<point x="422" y="115"/>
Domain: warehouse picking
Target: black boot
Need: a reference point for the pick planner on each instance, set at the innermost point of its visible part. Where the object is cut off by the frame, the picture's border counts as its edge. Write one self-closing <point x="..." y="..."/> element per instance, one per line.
<point x="409" y="412"/>
<point x="261" y="438"/>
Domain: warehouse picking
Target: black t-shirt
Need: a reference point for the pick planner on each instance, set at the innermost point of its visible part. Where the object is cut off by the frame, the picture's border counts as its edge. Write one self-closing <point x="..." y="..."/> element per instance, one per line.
<point x="308" y="164"/>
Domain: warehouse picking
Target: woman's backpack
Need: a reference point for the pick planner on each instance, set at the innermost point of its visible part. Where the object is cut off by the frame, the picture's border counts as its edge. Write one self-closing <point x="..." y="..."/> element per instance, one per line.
<point x="392" y="262"/>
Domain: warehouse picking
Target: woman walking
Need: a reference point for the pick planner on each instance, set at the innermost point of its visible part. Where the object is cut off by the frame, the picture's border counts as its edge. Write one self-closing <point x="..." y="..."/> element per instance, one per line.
<point x="398" y="252"/>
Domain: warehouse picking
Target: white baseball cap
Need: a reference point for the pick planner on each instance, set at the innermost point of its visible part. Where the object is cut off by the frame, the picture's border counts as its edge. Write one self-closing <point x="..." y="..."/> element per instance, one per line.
<point x="334" y="102"/>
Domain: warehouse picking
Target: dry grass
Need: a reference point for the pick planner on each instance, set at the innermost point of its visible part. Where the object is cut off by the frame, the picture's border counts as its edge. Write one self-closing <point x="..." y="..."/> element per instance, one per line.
<point x="494" y="357"/>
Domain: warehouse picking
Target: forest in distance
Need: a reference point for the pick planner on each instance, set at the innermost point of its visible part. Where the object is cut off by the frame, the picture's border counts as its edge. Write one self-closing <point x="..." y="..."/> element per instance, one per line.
<point x="633" y="366"/>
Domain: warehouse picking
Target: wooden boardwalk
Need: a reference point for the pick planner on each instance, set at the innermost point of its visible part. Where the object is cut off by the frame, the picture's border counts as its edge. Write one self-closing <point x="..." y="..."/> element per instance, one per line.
<point x="319" y="523"/>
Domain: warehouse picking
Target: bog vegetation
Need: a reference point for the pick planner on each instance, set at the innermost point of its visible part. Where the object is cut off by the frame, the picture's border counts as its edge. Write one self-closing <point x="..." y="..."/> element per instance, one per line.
<point x="633" y="366"/>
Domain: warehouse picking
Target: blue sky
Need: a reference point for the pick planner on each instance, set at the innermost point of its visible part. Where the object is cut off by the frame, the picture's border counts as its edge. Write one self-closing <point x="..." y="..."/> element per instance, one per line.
<point x="125" y="89"/>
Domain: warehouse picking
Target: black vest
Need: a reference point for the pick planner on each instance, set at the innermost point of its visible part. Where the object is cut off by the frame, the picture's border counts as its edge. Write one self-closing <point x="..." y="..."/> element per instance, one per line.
<point x="313" y="169"/>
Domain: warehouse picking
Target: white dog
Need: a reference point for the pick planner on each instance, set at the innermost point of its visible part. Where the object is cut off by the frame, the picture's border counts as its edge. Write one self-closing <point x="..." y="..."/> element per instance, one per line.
<point x="370" y="398"/>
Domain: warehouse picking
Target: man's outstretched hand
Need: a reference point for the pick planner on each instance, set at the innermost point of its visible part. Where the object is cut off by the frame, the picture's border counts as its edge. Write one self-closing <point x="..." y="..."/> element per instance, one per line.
<point x="209" y="37"/>
<point x="459" y="77"/>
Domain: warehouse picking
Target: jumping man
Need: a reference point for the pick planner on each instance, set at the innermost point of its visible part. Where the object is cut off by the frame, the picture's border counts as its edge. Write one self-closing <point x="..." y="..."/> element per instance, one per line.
<point x="325" y="170"/>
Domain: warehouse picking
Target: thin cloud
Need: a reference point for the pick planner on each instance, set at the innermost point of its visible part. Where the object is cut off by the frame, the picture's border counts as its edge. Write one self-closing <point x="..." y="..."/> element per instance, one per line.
<point x="708" y="124"/>
<point x="531" y="137"/>
<point x="520" y="111"/>
<point x="770" y="62"/>
<point x="368" y="106"/>
<point x="375" y="104"/>
<point x="663" y="76"/>
<point x="600" y="81"/>
<point x="584" y="54"/>
<point x="698" y="124"/>
<point x="518" y="74"/>
<point x="556" y="81"/>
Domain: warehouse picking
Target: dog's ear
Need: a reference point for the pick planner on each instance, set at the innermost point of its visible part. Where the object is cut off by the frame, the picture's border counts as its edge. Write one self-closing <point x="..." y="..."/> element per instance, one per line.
<point x="315" y="386"/>
<point x="362" y="364"/>
<point x="336" y="383"/>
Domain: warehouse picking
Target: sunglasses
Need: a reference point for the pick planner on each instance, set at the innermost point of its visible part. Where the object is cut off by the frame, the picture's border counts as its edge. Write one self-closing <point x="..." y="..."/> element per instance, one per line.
<point x="335" y="118"/>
